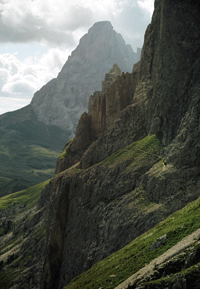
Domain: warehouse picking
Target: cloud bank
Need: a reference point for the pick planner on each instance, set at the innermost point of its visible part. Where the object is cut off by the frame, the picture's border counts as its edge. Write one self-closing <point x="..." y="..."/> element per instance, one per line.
<point x="57" y="22"/>
<point x="19" y="80"/>
<point x="56" y="25"/>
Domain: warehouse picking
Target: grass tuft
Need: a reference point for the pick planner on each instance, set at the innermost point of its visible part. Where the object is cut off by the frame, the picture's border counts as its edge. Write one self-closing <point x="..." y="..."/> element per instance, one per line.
<point x="139" y="153"/>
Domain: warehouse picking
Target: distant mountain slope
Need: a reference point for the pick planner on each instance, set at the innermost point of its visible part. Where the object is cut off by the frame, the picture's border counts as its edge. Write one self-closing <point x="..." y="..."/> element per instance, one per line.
<point x="28" y="150"/>
<point x="22" y="125"/>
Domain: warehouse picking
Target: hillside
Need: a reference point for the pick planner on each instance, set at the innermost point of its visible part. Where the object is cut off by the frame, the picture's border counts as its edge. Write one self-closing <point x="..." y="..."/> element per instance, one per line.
<point x="28" y="151"/>
<point x="23" y="225"/>
<point x="22" y="238"/>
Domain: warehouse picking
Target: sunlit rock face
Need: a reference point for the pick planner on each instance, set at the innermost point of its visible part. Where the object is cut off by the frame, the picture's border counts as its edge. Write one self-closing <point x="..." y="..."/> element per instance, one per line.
<point x="63" y="100"/>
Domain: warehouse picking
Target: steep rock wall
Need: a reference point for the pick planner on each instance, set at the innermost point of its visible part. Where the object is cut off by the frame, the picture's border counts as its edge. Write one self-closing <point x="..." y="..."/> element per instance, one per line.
<point x="107" y="107"/>
<point x="170" y="59"/>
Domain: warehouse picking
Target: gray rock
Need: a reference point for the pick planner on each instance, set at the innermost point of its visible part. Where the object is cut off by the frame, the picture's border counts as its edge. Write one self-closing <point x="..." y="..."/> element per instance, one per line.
<point x="179" y="283"/>
<point x="64" y="99"/>
<point x="158" y="242"/>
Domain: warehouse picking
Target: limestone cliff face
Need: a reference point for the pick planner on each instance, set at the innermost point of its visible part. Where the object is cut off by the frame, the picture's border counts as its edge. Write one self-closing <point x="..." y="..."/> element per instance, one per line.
<point x="103" y="110"/>
<point x="170" y="60"/>
<point x="64" y="99"/>
<point x="103" y="192"/>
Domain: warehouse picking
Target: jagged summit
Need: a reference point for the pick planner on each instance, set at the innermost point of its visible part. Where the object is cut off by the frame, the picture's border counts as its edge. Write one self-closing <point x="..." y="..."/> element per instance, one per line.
<point x="104" y="27"/>
<point x="101" y="43"/>
<point x="101" y="23"/>
<point x="62" y="101"/>
<point x="111" y="77"/>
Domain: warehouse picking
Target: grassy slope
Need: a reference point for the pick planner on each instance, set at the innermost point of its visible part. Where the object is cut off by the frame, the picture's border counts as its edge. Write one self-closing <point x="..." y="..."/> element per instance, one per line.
<point x="28" y="197"/>
<point x="23" y="166"/>
<point x="28" y="150"/>
<point x="139" y="153"/>
<point x="26" y="200"/>
<point x="134" y="256"/>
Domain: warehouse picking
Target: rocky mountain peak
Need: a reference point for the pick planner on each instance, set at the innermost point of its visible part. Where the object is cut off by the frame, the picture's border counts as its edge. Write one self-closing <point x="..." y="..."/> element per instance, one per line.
<point x="100" y="24"/>
<point x="102" y="43"/>
<point x="63" y="100"/>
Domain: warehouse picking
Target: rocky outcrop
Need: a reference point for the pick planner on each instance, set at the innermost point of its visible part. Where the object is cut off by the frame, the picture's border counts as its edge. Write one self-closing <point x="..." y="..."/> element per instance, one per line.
<point x="110" y="78"/>
<point x="165" y="99"/>
<point x="170" y="59"/>
<point x="122" y="186"/>
<point x="166" y="93"/>
<point x="103" y="110"/>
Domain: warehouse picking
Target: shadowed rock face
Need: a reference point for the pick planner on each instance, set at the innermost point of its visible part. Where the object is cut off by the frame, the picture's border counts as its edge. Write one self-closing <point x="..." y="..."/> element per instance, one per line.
<point x="103" y="210"/>
<point x="170" y="59"/>
<point x="63" y="100"/>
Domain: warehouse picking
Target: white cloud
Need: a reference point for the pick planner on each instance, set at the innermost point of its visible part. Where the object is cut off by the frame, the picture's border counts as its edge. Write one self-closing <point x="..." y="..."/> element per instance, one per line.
<point x="24" y="87"/>
<point x="23" y="78"/>
<point x="147" y="5"/>
<point x="51" y="22"/>
<point x="57" y="22"/>
<point x="57" y="25"/>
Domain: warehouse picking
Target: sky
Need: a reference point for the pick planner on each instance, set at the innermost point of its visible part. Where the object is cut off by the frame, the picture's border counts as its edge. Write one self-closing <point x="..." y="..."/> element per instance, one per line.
<point x="36" y="38"/>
